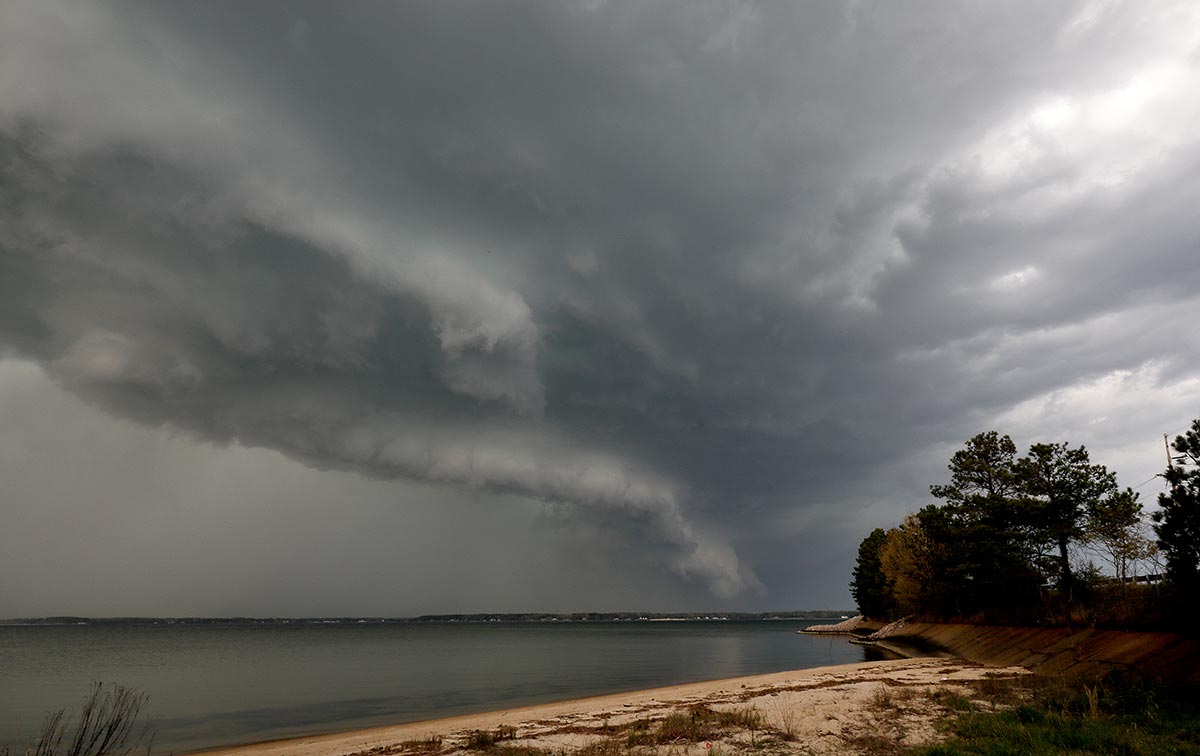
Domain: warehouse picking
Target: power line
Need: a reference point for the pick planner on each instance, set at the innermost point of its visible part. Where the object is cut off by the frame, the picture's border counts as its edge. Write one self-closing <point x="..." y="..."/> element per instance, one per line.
<point x="1147" y="480"/>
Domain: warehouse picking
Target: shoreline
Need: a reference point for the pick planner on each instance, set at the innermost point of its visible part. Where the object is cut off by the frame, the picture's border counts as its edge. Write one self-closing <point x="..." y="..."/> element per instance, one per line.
<point x="817" y="708"/>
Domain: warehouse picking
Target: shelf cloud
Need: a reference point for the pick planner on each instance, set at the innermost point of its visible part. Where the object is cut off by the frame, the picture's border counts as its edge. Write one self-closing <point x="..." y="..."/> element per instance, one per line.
<point x="727" y="282"/>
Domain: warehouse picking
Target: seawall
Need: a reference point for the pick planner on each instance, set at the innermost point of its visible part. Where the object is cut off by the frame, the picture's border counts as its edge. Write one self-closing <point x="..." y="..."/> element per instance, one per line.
<point x="1055" y="650"/>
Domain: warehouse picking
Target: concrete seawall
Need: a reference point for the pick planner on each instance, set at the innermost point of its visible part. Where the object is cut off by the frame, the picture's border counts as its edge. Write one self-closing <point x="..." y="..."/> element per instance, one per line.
<point x="1053" y="650"/>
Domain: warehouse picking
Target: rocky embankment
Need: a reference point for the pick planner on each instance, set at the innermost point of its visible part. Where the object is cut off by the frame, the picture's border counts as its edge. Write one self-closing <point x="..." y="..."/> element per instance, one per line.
<point x="857" y="625"/>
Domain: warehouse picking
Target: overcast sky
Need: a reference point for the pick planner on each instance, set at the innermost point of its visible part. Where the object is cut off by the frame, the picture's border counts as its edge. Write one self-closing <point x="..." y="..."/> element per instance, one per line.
<point x="396" y="308"/>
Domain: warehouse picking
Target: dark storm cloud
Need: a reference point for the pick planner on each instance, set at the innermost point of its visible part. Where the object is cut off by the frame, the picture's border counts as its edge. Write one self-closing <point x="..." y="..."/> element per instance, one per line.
<point x="706" y="277"/>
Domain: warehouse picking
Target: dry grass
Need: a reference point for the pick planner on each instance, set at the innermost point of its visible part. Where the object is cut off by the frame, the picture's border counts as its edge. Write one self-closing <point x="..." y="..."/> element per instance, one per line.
<point x="894" y="699"/>
<point x="867" y="715"/>
<point x="693" y="725"/>
<point x="488" y="740"/>
<point x="109" y="722"/>
<point x="429" y="745"/>
<point x="670" y="735"/>
<point x="509" y="749"/>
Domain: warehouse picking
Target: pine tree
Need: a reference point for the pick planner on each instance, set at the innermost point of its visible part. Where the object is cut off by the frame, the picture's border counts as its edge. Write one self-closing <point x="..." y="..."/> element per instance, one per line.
<point x="982" y="548"/>
<point x="1177" y="523"/>
<point x="1062" y="489"/>
<point x="869" y="586"/>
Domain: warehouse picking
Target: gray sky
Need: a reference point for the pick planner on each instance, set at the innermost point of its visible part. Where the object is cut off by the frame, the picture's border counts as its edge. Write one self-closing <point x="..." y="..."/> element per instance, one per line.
<point x="429" y="307"/>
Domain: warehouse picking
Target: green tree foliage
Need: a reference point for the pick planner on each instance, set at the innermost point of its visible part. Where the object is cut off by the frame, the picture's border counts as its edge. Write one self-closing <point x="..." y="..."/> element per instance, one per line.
<point x="1115" y="526"/>
<point x="1005" y="531"/>
<point x="982" y="473"/>
<point x="1177" y="523"/>
<point x="908" y="556"/>
<point x="869" y="585"/>
<point x="1062" y="489"/>
<point x="982" y="546"/>
<point x="978" y="565"/>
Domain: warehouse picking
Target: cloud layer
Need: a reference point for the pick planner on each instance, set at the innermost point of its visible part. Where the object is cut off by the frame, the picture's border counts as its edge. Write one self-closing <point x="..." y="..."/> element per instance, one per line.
<point x="712" y="279"/>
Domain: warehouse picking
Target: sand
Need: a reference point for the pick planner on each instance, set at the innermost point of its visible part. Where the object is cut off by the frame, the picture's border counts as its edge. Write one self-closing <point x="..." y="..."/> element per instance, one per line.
<point x="827" y="710"/>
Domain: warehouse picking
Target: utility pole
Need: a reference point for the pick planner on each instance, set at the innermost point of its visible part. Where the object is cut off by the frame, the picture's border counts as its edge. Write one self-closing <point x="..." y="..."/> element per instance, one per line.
<point x="1167" y="446"/>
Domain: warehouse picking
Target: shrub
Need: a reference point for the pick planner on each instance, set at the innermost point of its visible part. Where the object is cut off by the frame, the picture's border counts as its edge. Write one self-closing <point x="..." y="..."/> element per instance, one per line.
<point x="109" y="723"/>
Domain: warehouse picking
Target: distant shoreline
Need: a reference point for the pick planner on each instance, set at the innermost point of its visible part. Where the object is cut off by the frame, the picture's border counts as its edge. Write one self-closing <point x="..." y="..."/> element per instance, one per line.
<point x="436" y="618"/>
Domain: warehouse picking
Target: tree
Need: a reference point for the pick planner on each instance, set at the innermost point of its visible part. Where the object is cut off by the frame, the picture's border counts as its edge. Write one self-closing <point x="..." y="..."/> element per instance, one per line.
<point x="869" y="585"/>
<point x="1177" y="522"/>
<point x="981" y="547"/>
<point x="1115" y="526"/>
<point x="1062" y="488"/>
<point x="907" y="557"/>
<point x="983" y="471"/>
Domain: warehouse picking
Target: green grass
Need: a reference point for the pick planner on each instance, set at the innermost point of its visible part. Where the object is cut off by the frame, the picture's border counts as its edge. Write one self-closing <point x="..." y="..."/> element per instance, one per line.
<point x="949" y="699"/>
<point x="1115" y="716"/>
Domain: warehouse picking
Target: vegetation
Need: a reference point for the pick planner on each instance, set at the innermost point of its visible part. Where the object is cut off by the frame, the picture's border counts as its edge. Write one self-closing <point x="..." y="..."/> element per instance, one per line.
<point x="904" y="558"/>
<point x="679" y="728"/>
<point x="484" y="740"/>
<point x="431" y="744"/>
<point x="1177" y="523"/>
<point x="991" y="716"/>
<point x="1047" y="716"/>
<point x="1004" y="542"/>
<point x="869" y="585"/>
<point x="109" y="722"/>
<point x="1116" y="529"/>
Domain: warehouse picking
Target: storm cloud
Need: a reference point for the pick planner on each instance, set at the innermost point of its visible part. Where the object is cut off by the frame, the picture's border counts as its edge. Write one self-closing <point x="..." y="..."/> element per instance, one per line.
<point x="718" y="284"/>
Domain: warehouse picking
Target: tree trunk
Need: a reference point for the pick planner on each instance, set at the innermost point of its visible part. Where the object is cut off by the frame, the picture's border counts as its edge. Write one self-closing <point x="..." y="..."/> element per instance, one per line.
<point x="1067" y="579"/>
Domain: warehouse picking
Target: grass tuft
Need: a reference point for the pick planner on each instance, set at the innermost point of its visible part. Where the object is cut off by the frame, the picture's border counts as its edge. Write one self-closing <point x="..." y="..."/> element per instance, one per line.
<point x="952" y="700"/>
<point x="486" y="740"/>
<point x="429" y="745"/>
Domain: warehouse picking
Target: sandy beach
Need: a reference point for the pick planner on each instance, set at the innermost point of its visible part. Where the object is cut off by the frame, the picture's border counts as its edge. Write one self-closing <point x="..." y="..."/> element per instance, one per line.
<point x="826" y="710"/>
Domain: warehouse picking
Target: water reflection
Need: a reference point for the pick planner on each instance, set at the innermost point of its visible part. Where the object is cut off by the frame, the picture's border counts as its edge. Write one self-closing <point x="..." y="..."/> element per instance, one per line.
<point x="212" y="685"/>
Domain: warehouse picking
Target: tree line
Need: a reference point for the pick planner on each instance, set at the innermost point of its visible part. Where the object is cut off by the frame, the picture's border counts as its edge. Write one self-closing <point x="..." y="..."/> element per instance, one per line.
<point x="1007" y="538"/>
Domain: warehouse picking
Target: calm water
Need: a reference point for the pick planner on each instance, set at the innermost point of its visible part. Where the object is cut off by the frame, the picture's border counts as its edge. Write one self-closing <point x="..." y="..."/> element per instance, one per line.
<point x="223" y="684"/>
